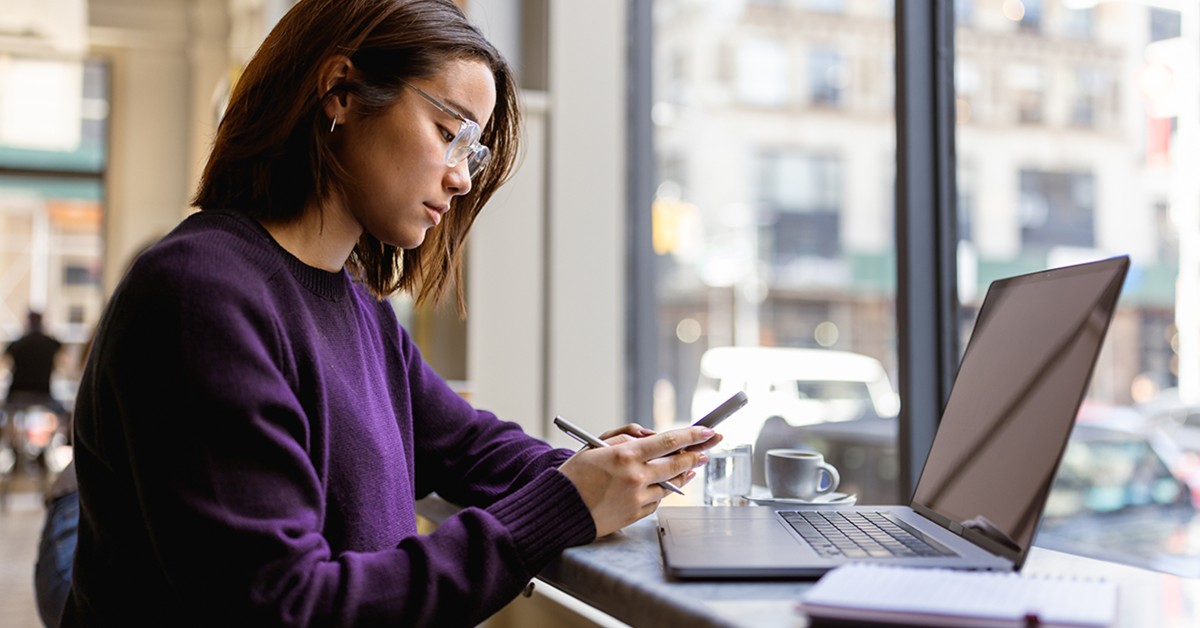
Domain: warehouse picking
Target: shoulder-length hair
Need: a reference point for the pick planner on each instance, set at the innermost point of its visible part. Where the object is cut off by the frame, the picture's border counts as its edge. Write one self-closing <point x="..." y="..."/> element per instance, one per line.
<point x="272" y="154"/>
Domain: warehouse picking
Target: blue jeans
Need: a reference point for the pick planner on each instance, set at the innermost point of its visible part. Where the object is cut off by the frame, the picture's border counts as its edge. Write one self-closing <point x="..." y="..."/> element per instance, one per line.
<point x="56" y="552"/>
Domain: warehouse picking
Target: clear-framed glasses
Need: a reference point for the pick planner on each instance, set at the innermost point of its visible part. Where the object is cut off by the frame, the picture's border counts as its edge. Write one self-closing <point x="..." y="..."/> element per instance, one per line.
<point x="465" y="145"/>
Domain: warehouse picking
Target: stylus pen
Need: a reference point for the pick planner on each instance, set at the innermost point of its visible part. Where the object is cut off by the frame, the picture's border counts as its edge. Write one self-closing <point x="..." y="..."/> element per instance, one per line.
<point x="578" y="433"/>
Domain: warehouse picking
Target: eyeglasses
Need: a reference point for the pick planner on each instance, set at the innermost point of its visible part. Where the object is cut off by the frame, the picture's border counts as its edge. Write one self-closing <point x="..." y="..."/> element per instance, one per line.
<point x="465" y="144"/>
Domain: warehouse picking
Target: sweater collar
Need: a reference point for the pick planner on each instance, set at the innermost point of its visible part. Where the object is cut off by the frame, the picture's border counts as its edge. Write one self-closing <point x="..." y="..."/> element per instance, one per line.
<point x="333" y="286"/>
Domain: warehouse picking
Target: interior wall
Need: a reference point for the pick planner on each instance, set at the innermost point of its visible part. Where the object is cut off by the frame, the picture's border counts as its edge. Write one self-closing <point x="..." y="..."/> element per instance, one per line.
<point x="586" y="195"/>
<point x="146" y="177"/>
<point x="165" y="57"/>
<point x="506" y="329"/>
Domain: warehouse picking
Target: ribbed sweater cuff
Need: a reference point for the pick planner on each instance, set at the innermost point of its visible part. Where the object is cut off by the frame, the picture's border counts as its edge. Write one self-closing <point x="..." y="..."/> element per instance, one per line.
<point x="545" y="517"/>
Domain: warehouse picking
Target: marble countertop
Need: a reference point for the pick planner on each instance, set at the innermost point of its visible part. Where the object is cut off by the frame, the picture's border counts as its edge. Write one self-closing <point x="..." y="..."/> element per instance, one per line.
<point x="622" y="575"/>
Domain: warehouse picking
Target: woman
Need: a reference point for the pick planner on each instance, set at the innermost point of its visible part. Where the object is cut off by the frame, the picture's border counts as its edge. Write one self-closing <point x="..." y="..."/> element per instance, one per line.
<point x="254" y="426"/>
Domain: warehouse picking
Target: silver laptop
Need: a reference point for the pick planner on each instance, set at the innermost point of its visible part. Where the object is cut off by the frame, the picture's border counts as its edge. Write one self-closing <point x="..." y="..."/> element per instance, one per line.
<point x="985" y="483"/>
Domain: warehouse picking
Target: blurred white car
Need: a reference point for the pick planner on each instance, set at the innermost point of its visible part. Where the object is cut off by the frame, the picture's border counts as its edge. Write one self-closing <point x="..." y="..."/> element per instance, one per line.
<point x="801" y="386"/>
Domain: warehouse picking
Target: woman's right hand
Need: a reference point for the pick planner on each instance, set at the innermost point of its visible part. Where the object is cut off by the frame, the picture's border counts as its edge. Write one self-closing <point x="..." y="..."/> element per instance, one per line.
<point x="619" y="484"/>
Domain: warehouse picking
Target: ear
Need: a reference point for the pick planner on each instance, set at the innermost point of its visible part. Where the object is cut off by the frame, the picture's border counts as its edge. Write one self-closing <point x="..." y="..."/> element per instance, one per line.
<point x="333" y="72"/>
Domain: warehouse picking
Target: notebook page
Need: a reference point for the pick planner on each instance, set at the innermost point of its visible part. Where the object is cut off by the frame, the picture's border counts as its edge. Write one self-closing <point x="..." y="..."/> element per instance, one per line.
<point x="900" y="591"/>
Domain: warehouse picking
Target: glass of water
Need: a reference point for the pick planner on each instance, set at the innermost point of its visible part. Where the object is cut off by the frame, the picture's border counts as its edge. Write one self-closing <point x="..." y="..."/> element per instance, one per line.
<point x="727" y="475"/>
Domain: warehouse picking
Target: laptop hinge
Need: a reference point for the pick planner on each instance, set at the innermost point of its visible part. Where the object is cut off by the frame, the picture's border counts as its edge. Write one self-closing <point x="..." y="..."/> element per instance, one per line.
<point x="956" y="528"/>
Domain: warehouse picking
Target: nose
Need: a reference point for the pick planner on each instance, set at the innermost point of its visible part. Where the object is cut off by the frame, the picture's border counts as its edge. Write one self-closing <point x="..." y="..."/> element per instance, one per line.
<point x="458" y="179"/>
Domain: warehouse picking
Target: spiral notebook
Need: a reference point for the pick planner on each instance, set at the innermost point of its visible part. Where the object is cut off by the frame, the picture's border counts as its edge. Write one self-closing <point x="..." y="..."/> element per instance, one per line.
<point x="943" y="597"/>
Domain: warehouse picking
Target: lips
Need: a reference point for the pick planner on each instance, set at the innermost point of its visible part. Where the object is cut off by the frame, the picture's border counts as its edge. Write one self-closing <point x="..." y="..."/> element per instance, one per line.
<point x="436" y="212"/>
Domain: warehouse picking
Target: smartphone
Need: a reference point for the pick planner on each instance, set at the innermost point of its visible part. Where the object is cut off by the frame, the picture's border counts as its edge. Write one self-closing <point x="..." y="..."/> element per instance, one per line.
<point x="720" y="413"/>
<point x="723" y="411"/>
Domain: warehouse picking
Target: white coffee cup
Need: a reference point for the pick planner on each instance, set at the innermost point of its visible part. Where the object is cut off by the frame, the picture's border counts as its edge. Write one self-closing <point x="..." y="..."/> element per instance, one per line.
<point x="799" y="474"/>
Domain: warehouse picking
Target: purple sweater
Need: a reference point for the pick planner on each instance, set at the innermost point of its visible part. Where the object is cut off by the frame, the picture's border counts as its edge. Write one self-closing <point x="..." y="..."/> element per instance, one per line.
<point x="251" y="434"/>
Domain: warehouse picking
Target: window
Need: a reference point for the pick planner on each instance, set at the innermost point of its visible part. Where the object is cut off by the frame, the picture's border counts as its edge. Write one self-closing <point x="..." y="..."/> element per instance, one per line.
<point x="53" y="148"/>
<point x="828" y="6"/>
<point x="1088" y="101"/>
<point x="1157" y="364"/>
<point x="1056" y="209"/>
<point x="969" y="82"/>
<point x="762" y="73"/>
<point x="800" y="206"/>
<point x="1164" y="24"/>
<point x="964" y="12"/>
<point x="966" y="202"/>
<point x="75" y="275"/>
<point x="1167" y="234"/>
<point x="1079" y="22"/>
<point x="1027" y="86"/>
<point x="827" y="77"/>
<point x="1057" y="163"/>
<point x="1026" y="13"/>
<point x="772" y="222"/>
<point x="1085" y="173"/>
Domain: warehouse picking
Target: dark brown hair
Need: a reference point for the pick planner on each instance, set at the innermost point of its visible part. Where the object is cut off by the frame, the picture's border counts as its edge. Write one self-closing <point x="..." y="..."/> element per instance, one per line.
<point x="272" y="153"/>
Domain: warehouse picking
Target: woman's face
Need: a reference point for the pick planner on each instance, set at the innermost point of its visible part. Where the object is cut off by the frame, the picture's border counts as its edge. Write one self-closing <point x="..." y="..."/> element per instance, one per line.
<point x="399" y="185"/>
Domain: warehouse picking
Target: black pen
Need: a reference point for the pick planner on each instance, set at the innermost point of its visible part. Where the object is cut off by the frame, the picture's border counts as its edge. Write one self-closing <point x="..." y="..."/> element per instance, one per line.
<point x="576" y="432"/>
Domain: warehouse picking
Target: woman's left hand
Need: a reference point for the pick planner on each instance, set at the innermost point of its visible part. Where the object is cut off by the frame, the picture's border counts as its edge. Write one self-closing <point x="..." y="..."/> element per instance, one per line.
<point x="629" y="429"/>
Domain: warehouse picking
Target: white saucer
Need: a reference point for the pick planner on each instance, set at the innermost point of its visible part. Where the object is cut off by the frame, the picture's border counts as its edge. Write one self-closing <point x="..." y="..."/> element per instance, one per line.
<point x="760" y="496"/>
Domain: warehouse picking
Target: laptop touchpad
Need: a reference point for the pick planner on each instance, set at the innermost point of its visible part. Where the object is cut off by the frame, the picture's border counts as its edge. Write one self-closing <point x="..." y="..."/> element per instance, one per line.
<point x="709" y="537"/>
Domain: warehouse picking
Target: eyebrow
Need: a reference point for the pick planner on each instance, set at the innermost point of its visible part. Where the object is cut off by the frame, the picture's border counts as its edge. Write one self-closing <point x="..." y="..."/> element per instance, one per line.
<point x="462" y="110"/>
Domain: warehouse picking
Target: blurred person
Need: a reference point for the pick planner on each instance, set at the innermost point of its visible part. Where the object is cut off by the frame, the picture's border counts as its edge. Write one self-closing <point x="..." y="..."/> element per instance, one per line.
<point x="254" y="425"/>
<point x="32" y="359"/>
<point x="56" y="546"/>
<point x="27" y="431"/>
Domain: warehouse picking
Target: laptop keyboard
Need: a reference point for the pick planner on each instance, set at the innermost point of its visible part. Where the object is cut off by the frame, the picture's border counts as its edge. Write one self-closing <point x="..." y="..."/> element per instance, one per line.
<point x="861" y="535"/>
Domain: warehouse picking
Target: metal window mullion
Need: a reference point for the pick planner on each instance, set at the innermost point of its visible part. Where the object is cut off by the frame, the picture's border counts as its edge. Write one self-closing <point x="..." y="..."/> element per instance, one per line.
<point x="926" y="232"/>
<point x="641" y="303"/>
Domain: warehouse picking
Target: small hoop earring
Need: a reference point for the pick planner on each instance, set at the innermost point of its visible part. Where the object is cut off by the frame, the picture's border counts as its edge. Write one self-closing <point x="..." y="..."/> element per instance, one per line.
<point x="333" y="125"/>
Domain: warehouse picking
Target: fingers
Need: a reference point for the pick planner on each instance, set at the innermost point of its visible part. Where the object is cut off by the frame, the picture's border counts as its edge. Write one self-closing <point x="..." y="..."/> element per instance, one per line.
<point x="619" y="486"/>
<point x="683" y="478"/>
<point x="658" y="493"/>
<point x="671" y="468"/>
<point x="631" y="429"/>
<point x="651" y="452"/>
<point x="672" y="441"/>
<point x="708" y="444"/>
<point x="617" y="439"/>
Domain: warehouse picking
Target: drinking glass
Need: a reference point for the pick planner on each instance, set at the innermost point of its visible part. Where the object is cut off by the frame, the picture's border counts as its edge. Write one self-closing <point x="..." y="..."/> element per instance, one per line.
<point x="727" y="476"/>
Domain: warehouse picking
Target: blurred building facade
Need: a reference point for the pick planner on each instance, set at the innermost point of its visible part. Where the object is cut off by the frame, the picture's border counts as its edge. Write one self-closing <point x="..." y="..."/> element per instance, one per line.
<point x="774" y="216"/>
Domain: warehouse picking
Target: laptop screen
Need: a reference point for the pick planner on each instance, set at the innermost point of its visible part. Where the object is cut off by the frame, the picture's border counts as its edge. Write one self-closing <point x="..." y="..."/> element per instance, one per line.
<point x="1022" y="378"/>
